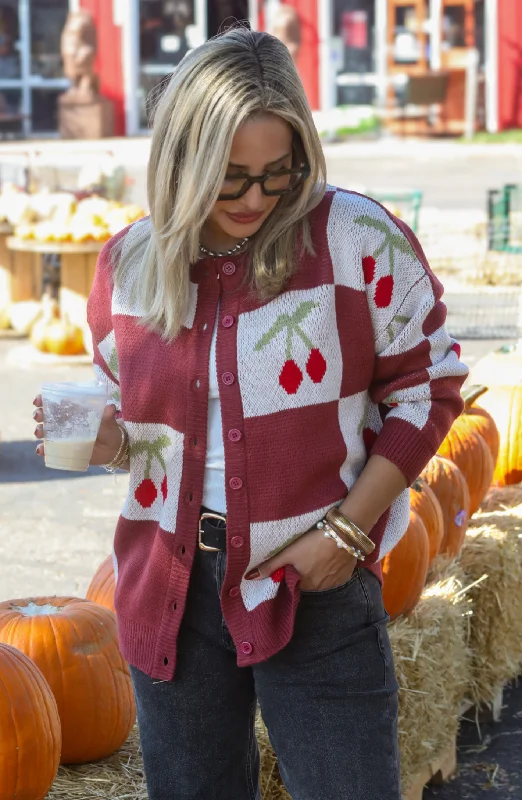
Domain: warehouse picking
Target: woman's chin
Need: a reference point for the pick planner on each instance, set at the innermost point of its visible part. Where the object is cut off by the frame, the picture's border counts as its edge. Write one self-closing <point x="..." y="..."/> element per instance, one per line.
<point x="238" y="230"/>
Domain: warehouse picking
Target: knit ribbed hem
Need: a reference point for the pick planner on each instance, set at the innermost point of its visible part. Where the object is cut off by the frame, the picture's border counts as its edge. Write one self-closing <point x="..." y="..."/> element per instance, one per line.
<point x="405" y="446"/>
<point x="137" y="645"/>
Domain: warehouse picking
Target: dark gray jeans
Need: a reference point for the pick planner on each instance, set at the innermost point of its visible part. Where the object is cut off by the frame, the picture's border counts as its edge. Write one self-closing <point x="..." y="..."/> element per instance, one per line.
<point x="329" y="700"/>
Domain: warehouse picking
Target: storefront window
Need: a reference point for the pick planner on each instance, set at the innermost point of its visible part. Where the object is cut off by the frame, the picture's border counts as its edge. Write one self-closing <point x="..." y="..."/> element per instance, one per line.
<point x="453" y="30"/>
<point x="10" y="112"/>
<point x="47" y="21"/>
<point x="45" y="110"/>
<point x="354" y="30"/>
<point x="163" y="43"/>
<point x="10" y="67"/>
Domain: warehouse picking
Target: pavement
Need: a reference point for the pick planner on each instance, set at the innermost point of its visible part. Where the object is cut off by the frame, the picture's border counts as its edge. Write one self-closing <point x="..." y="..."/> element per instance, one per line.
<point x="451" y="174"/>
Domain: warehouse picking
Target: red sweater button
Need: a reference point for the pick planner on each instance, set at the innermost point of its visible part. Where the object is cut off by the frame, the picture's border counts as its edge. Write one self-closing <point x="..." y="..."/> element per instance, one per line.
<point x="237" y="541"/>
<point x="234" y="591"/>
<point x="246" y="648"/>
<point x="229" y="268"/>
<point x="235" y="483"/>
<point x="235" y="435"/>
<point x="228" y="378"/>
<point x="227" y="321"/>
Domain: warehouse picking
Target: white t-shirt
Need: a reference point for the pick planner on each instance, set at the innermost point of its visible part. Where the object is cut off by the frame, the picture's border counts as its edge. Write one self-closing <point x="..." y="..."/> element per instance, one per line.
<point x="214" y="484"/>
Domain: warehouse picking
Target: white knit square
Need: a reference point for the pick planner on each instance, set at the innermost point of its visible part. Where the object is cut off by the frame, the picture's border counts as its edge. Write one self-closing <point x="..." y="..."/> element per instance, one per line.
<point x="345" y="238"/>
<point x="155" y="475"/>
<point x="124" y="299"/>
<point x="113" y="390"/>
<point x="288" y="352"/>
<point x="398" y="521"/>
<point x="352" y="420"/>
<point x="265" y="539"/>
<point x="414" y="404"/>
<point x="107" y="348"/>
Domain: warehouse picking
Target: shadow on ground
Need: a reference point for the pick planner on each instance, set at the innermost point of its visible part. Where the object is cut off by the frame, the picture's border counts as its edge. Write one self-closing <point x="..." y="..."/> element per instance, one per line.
<point x="20" y="464"/>
<point x="490" y="758"/>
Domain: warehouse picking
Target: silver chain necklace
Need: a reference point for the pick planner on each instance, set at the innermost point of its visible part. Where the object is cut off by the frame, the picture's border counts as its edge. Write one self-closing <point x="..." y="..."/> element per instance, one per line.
<point x="231" y="252"/>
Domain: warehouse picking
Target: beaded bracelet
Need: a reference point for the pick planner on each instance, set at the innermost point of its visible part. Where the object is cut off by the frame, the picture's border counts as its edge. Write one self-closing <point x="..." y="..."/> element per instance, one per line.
<point x="342" y="524"/>
<point x="122" y="454"/>
<point x="329" y="533"/>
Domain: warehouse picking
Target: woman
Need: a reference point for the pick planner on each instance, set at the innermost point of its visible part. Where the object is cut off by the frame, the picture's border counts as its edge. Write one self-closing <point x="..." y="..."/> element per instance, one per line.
<point x="276" y="352"/>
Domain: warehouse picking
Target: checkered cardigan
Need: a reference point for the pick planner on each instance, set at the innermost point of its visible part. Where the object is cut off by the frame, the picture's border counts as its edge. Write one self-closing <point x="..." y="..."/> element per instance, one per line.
<point x="352" y="358"/>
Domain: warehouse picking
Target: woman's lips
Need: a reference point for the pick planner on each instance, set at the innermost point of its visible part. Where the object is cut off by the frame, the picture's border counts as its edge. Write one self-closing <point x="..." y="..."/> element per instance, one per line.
<point x="244" y="219"/>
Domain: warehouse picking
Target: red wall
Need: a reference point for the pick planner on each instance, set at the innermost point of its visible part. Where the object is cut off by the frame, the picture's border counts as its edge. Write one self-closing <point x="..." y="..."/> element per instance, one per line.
<point x="510" y="64"/>
<point x="308" y="60"/>
<point x="110" y="58"/>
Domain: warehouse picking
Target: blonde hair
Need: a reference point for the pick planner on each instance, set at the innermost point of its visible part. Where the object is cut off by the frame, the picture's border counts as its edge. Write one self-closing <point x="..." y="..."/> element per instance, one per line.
<point x="216" y="88"/>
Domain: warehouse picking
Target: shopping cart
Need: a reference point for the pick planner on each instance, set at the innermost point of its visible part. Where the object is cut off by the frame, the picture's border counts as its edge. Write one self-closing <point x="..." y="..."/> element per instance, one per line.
<point x="505" y="219"/>
<point x="404" y="204"/>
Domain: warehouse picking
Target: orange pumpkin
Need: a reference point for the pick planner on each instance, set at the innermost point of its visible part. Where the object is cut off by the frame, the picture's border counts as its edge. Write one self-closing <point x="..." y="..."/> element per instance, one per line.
<point x="405" y="569"/>
<point x="504" y="403"/>
<point x="425" y="503"/>
<point x="502" y="367"/>
<point x="101" y="588"/>
<point x="451" y="490"/>
<point x="468" y="450"/>
<point x="63" y="338"/>
<point x="74" y="642"/>
<point x="30" y="735"/>
<point x="478" y="419"/>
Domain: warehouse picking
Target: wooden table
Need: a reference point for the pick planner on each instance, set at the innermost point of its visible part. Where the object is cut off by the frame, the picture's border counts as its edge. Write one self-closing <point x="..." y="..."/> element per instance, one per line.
<point x="78" y="264"/>
<point x="8" y="284"/>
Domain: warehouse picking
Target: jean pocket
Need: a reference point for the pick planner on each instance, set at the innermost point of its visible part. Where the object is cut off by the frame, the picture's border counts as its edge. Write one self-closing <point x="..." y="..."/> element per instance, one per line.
<point x="353" y="579"/>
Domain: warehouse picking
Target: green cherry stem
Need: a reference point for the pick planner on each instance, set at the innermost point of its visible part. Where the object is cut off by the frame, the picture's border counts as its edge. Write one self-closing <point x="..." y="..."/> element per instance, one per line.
<point x="288" y="343"/>
<point x="304" y="337"/>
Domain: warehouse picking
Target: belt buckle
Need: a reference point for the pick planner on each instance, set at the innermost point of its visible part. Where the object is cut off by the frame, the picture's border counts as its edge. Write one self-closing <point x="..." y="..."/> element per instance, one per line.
<point x="208" y="515"/>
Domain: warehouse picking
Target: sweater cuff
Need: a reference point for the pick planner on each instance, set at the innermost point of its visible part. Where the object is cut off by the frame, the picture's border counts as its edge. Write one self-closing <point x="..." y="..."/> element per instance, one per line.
<point x="405" y="446"/>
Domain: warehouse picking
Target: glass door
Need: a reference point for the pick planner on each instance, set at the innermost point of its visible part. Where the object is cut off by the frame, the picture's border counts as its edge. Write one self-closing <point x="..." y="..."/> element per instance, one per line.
<point x="46" y="81"/>
<point x="31" y="73"/>
<point x="354" y="33"/>
<point x="167" y="30"/>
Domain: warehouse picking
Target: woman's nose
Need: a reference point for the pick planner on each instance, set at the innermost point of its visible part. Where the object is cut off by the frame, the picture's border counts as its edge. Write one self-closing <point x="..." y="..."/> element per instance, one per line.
<point x="253" y="199"/>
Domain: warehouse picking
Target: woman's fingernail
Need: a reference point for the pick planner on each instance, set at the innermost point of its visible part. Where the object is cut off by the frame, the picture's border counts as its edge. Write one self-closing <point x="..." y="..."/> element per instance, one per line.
<point x="252" y="575"/>
<point x="34" y="414"/>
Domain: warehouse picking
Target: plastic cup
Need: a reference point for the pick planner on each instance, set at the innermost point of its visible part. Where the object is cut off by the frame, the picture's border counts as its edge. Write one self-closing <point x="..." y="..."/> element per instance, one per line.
<point x="72" y="417"/>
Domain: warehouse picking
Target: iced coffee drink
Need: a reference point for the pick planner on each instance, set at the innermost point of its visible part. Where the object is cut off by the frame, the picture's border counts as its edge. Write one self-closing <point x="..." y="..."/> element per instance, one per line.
<point x="72" y="417"/>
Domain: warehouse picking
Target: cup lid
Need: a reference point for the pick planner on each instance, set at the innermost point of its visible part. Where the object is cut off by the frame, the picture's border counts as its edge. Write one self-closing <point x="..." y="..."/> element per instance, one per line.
<point x="90" y="388"/>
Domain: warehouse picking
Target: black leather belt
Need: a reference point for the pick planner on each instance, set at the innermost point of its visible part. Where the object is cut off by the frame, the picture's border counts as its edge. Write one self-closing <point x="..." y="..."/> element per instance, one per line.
<point x="212" y="534"/>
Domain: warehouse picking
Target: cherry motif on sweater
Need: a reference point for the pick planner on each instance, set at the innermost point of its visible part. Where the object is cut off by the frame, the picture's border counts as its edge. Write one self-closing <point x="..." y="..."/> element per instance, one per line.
<point x="146" y="492"/>
<point x="368" y="263"/>
<point x="456" y="348"/>
<point x="291" y="375"/>
<point x="383" y="292"/>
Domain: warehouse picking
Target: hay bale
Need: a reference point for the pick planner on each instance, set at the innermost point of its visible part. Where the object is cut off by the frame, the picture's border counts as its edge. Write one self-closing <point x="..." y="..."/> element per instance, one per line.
<point x="493" y="548"/>
<point x="269" y="778"/>
<point x="433" y="670"/>
<point x="432" y="662"/>
<point x="119" y="776"/>
<point x="501" y="498"/>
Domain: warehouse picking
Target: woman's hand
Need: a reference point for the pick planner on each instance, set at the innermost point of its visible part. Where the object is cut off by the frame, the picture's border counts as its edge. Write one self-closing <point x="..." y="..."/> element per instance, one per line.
<point x="321" y="564"/>
<point x="108" y="441"/>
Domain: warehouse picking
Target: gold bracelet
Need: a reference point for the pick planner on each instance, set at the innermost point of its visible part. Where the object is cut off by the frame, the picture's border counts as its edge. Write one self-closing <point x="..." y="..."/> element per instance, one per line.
<point x="329" y="533"/>
<point x="344" y="525"/>
<point x="122" y="454"/>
